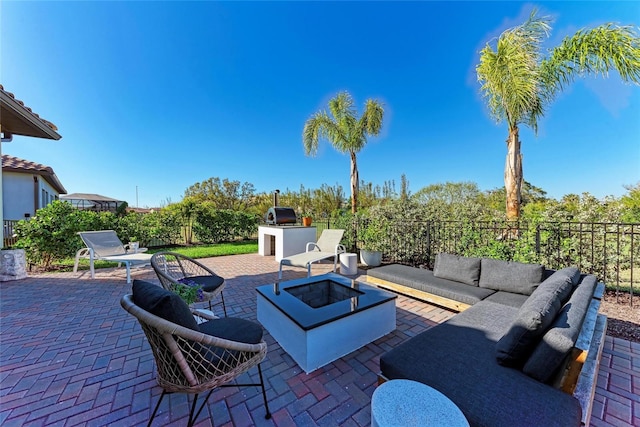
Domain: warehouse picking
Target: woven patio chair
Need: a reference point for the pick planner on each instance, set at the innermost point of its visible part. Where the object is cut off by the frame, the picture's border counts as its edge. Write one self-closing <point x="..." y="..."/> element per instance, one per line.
<point x="189" y="358"/>
<point x="174" y="270"/>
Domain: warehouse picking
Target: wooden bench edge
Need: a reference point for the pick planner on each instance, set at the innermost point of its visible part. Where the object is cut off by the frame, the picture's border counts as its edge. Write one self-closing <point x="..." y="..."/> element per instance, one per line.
<point x="418" y="294"/>
<point x="586" y="386"/>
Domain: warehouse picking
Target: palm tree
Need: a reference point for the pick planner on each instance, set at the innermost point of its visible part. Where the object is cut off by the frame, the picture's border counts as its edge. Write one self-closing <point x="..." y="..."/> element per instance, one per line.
<point x="518" y="82"/>
<point x="344" y="131"/>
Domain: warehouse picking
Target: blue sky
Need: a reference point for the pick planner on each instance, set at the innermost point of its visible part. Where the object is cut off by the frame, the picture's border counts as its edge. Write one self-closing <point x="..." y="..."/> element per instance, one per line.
<point x="160" y="95"/>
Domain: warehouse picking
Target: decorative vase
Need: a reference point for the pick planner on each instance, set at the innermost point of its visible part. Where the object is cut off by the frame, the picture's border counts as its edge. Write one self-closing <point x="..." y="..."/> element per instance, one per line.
<point x="306" y="221"/>
<point x="371" y="258"/>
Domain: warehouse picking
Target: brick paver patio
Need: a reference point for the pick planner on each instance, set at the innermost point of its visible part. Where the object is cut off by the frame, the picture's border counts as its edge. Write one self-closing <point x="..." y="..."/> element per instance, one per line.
<point x="70" y="355"/>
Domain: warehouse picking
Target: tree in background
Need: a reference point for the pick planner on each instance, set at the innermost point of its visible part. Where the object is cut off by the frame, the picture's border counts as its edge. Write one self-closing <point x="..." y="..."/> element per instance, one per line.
<point x="631" y="203"/>
<point x="451" y="201"/>
<point x="519" y="83"/>
<point x="224" y="194"/>
<point x="346" y="132"/>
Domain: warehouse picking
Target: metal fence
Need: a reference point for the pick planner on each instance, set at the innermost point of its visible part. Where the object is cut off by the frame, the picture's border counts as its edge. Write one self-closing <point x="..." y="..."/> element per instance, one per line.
<point x="611" y="251"/>
<point x="9" y="233"/>
<point x="608" y="250"/>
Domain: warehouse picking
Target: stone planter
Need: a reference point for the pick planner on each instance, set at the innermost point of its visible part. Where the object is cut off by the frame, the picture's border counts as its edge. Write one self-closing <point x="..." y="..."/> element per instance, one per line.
<point x="371" y="258"/>
<point x="13" y="265"/>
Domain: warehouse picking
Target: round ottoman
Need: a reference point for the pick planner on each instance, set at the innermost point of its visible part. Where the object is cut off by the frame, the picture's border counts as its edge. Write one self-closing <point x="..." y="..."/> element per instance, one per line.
<point x="409" y="403"/>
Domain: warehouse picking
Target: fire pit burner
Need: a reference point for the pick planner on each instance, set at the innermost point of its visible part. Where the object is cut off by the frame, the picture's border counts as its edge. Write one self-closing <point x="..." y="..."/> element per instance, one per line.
<point x="320" y="294"/>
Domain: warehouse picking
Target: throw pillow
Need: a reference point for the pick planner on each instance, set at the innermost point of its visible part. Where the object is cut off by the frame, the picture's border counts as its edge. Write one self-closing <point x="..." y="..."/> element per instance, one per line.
<point x="162" y="303"/>
<point x="533" y="319"/>
<point x="510" y="276"/>
<point x="458" y="268"/>
<point x="558" y="341"/>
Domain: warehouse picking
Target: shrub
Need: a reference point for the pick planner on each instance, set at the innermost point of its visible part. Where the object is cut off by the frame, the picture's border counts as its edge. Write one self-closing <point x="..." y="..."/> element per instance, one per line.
<point x="222" y="225"/>
<point x="52" y="233"/>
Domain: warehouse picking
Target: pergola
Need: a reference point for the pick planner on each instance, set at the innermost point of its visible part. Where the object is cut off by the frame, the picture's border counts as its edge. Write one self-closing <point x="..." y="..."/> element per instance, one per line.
<point x="18" y="119"/>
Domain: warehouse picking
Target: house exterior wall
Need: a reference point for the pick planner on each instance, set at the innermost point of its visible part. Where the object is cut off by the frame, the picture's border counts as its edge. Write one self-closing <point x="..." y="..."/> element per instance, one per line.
<point x="47" y="193"/>
<point x="17" y="191"/>
<point x="18" y="194"/>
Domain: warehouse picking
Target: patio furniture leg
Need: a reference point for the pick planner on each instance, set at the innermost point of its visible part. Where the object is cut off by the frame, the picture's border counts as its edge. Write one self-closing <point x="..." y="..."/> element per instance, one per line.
<point x="264" y="393"/>
<point x="80" y="253"/>
<point x="128" y="267"/>
<point x="224" y="307"/>
<point x="156" y="408"/>
<point x="309" y="270"/>
<point x="280" y="272"/>
<point x="91" y="268"/>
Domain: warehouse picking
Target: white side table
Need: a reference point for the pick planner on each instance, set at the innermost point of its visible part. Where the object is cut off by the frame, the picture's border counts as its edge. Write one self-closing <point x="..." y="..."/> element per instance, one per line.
<point x="410" y="403"/>
<point x="348" y="264"/>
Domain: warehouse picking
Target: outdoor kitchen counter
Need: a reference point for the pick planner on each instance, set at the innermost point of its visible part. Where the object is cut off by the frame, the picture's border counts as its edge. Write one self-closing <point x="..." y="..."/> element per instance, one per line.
<point x="289" y="239"/>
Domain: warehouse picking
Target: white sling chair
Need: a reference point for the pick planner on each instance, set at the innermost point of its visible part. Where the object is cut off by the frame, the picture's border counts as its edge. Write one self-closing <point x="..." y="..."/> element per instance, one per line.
<point x="106" y="245"/>
<point x="327" y="246"/>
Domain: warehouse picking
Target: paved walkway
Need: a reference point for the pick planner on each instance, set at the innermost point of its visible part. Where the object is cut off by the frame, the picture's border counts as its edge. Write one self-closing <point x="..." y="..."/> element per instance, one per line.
<point x="70" y="356"/>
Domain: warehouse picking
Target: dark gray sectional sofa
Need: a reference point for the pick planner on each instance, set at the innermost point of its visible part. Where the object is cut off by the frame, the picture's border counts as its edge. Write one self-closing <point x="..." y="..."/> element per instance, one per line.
<point x="506" y="358"/>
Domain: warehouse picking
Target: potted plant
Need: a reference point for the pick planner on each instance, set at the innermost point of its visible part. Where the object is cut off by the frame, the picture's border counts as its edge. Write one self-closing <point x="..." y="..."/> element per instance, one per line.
<point x="373" y="237"/>
<point x="188" y="290"/>
<point x="306" y="219"/>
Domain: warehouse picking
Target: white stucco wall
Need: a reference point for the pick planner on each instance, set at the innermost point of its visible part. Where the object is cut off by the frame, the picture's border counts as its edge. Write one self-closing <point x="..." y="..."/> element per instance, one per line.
<point x="17" y="192"/>
<point x="51" y="193"/>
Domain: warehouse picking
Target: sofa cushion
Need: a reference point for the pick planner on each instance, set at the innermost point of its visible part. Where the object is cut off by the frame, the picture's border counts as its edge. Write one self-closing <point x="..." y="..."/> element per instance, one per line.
<point x="458" y="268"/>
<point x="424" y="280"/>
<point x="534" y="318"/>
<point x="507" y="298"/>
<point x="458" y="359"/>
<point x="510" y="276"/>
<point x="163" y="303"/>
<point x="557" y="342"/>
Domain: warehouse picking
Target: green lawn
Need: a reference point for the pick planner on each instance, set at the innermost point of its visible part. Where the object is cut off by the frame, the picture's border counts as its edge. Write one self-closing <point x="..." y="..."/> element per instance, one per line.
<point x="203" y="251"/>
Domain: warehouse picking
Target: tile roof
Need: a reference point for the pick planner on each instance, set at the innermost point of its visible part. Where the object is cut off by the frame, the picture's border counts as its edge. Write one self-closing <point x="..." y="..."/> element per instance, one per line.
<point x="15" y="164"/>
<point x="19" y="119"/>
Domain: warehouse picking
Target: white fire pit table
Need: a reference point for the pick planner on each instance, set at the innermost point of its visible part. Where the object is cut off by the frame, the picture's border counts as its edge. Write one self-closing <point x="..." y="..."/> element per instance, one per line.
<point x="319" y="319"/>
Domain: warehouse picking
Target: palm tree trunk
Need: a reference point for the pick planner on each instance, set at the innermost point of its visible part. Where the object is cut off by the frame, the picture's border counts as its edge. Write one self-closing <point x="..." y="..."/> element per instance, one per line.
<point x="513" y="175"/>
<point x="354" y="182"/>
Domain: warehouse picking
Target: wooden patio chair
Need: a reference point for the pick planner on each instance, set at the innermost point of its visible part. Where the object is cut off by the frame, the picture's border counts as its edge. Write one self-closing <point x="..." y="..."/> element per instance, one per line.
<point x="194" y="358"/>
<point x="175" y="269"/>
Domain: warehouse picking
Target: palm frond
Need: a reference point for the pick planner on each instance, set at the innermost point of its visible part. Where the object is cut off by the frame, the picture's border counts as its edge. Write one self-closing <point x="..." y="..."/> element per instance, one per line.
<point x="510" y="75"/>
<point x="319" y="125"/>
<point x="596" y="51"/>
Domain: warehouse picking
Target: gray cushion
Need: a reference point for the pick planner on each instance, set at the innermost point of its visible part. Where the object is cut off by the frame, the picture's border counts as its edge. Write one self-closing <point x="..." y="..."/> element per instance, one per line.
<point x="507" y="298"/>
<point x="209" y="283"/>
<point x="424" y="280"/>
<point x="557" y="342"/>
<point x="457" y="359"/>
<point x="510" y="276"/>
<point x="457" y="268"/>
<point x="163" y="303"/>
<point x="534" y="318"/>
<point x="233" y="329"/>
